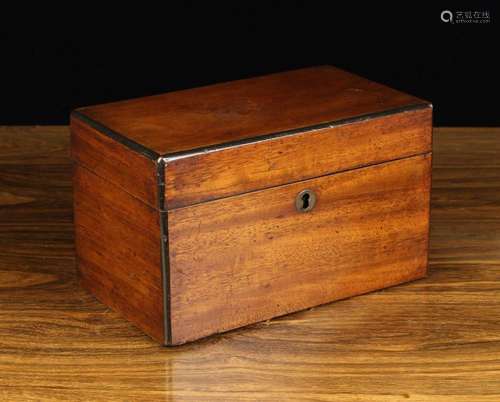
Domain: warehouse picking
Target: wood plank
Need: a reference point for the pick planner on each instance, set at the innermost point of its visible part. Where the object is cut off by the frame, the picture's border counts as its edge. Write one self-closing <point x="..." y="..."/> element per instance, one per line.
<point x="253" y="257"/>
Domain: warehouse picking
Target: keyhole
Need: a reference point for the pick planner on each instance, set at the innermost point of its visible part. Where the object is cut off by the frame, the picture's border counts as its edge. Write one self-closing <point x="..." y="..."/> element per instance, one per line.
<point x="305" y="200"/>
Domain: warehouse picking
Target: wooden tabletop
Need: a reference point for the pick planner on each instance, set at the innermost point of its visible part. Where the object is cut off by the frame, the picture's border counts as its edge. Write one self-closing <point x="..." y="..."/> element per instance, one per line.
<point x="436" y="339"/>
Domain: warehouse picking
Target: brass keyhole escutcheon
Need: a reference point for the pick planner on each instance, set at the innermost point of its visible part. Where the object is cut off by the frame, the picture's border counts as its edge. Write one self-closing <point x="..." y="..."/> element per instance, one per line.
<point x="305" y="200"/>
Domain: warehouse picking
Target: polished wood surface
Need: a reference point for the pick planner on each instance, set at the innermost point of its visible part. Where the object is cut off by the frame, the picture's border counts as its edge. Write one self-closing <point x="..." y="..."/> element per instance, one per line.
<point x="252" y="257"/>
<point x="277" y="161"/>
<point x="119" y="164"/>
<point x="201" y="117"/>
<point x="117" y="240"/>
<point x="209" y="263"/>
<point x="435" y="339"/>
<point x="117" y="226"/>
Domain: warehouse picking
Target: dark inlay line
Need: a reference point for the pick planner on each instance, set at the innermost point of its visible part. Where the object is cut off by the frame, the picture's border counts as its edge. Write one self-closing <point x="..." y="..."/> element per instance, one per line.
<point x="116" y="136"/>
<point x="279" y="134"/>
<point x="165" y="264"/>
<point x="259" y="138"/>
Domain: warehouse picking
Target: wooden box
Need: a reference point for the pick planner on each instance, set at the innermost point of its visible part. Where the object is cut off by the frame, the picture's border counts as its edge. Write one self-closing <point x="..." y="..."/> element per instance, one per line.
<point x="208" y="209"/>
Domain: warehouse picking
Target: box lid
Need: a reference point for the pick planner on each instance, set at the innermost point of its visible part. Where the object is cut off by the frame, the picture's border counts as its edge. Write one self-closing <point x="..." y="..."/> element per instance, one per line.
<point x="181" y="129"/>
<point x="202" y="117"/>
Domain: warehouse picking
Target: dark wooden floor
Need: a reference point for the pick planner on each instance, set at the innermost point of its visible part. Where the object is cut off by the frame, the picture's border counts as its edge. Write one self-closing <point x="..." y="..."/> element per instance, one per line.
<point x="437" y="339"/>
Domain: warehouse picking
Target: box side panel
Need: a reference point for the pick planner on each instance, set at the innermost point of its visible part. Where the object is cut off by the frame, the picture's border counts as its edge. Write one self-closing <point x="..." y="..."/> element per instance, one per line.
<point x="117" y="163"/>
<point x="251" y="257"/>
<point x="239" y="169"/>
<point x="118" y="250"/>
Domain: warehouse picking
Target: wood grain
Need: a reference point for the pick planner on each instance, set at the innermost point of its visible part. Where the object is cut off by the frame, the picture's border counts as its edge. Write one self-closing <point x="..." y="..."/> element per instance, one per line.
<point x="205" y="283"/>
<point x="207" y="176"/>
<point x="435" y="340"/>
<point x="231" y="111"/>
<point x="118" y="250"/>
<point x="252" y="257"/>
<point x="124" y="167"/>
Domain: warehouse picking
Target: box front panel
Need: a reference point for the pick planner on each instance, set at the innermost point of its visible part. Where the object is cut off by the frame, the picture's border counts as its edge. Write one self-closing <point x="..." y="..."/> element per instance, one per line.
<point x="248" y="258"/>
